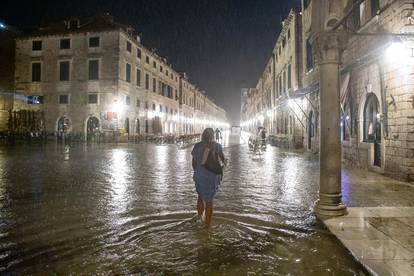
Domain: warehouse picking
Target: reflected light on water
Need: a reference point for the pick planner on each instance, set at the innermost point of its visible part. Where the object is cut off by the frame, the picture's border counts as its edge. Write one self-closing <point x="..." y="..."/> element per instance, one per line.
<point x="182" y="158"/>
<point x="131" y="211"/>
<point x="2" y="183"/>
<point x="162" y="171"/>
<point x="161" y="155"/>
<point x="119" y="171"/>
<point x="290" y="180"/>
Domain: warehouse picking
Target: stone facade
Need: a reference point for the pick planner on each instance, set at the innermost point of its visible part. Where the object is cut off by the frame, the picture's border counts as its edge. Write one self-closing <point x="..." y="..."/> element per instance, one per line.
<point x="378" y="115"/>
<point x="275" y="101"/>
<point x="7" y="52"/>
<point x="376" y="87"/>
<point x="90" y="76"/>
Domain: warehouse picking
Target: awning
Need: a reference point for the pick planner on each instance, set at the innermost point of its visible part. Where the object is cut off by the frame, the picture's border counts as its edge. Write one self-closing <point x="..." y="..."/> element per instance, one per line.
<point x="344" y="89"/>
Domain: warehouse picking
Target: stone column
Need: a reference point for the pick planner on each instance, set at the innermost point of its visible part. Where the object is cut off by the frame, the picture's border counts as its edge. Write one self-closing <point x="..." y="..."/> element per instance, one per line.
<point x="329" y="47"/>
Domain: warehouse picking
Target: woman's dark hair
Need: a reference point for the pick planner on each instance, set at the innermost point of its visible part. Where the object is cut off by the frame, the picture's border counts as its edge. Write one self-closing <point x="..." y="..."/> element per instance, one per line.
<point x="208" y="135"/>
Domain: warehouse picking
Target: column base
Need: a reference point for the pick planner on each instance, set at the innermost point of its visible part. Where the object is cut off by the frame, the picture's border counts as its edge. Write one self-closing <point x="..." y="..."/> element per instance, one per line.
<point x="330" y="205"/>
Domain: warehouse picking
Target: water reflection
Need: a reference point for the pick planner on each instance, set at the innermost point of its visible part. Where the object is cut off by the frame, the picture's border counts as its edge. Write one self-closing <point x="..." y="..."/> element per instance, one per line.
<point x="130" y="210"/>
<point x="119" y="171"/>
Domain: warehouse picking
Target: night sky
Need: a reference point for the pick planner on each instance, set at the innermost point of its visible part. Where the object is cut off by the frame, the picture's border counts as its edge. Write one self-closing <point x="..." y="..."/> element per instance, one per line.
<point x="222" y="44"/>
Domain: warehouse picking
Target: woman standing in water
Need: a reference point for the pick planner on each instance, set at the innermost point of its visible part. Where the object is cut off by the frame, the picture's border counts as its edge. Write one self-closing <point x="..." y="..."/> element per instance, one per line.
<point x="207" y="159"/>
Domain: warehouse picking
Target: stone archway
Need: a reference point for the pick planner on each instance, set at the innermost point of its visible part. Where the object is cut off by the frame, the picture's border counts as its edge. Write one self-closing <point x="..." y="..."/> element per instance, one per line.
<point x="63" y="126"/>
<point x="372" y="126"/>
<point x="92" y="128"/>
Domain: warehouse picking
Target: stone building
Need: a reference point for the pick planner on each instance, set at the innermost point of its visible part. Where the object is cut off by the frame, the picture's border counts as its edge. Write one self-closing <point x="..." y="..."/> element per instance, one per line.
<point x="94" y="75"/>
<point x="7" y="52"/>
<point x="187" y="93"/>
<point x="288" y="98"/>
<point x="376" y="87"/>
<point x="281" y="106"/>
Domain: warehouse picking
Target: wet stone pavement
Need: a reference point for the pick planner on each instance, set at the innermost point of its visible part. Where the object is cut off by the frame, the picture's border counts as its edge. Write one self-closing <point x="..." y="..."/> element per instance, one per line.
<point x="130" y="209"/>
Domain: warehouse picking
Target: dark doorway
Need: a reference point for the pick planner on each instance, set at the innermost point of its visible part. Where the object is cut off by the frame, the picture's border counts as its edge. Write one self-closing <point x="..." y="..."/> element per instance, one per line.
<point x="63" y="126"/>
<point x="92" y="128"/>
<point x="372" y="126"/>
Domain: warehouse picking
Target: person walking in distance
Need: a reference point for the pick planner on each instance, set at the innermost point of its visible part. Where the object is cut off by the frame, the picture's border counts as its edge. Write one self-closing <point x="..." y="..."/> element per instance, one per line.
<point x="218" y="135"/>
<point x="207" y="162"/>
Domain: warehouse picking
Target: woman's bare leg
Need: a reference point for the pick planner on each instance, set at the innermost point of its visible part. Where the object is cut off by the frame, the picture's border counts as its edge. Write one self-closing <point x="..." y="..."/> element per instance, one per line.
<point x="209" y="212"/>
<point x="200" y="207"/>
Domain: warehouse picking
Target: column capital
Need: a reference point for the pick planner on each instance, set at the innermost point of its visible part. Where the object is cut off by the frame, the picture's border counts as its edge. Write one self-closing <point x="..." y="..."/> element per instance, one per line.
<point x="330" y="46"/>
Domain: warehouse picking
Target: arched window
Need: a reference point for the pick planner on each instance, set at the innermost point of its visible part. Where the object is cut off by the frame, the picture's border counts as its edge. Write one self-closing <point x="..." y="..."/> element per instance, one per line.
<point x="372" y="127"/>
<point x="92" y="125"/>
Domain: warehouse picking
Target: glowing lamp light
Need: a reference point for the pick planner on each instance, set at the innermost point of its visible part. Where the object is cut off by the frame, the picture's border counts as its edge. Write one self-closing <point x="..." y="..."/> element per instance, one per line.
<point x="291" y="103"/>
<point x="2" y="25"/>
<point x="347" y="117"/>
<point x="150" y="115"/>
<point x="261" y="118"/>
<point x="396" y="52"/>
<point x="117" y="107"/>
<point x="269" y="113"/>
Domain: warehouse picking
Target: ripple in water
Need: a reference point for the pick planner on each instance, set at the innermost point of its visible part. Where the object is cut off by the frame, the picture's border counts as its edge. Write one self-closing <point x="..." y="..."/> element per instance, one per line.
<point x="131" y="210"/>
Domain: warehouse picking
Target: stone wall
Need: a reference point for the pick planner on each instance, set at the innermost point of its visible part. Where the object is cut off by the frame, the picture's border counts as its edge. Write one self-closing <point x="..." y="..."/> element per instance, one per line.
<point x="7" y="52"/>
<point x="391" y="81"/>
<point x="78" y="87"/>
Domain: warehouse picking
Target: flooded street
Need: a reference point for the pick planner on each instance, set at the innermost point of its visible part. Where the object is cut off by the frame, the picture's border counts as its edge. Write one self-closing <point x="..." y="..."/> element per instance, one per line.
<point x="130" y="209"/>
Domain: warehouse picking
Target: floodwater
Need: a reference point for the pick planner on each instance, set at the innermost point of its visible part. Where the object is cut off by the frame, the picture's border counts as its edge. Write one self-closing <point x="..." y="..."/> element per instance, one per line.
<point x="130" y="209"/>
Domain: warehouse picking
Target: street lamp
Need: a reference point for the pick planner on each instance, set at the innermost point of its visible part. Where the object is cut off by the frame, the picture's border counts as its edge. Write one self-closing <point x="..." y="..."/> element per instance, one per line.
<point x="396" y="52"/>
<point x="2" y="26"/>
<point x="291" y="103"/>
<point x="117" y="107"/>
